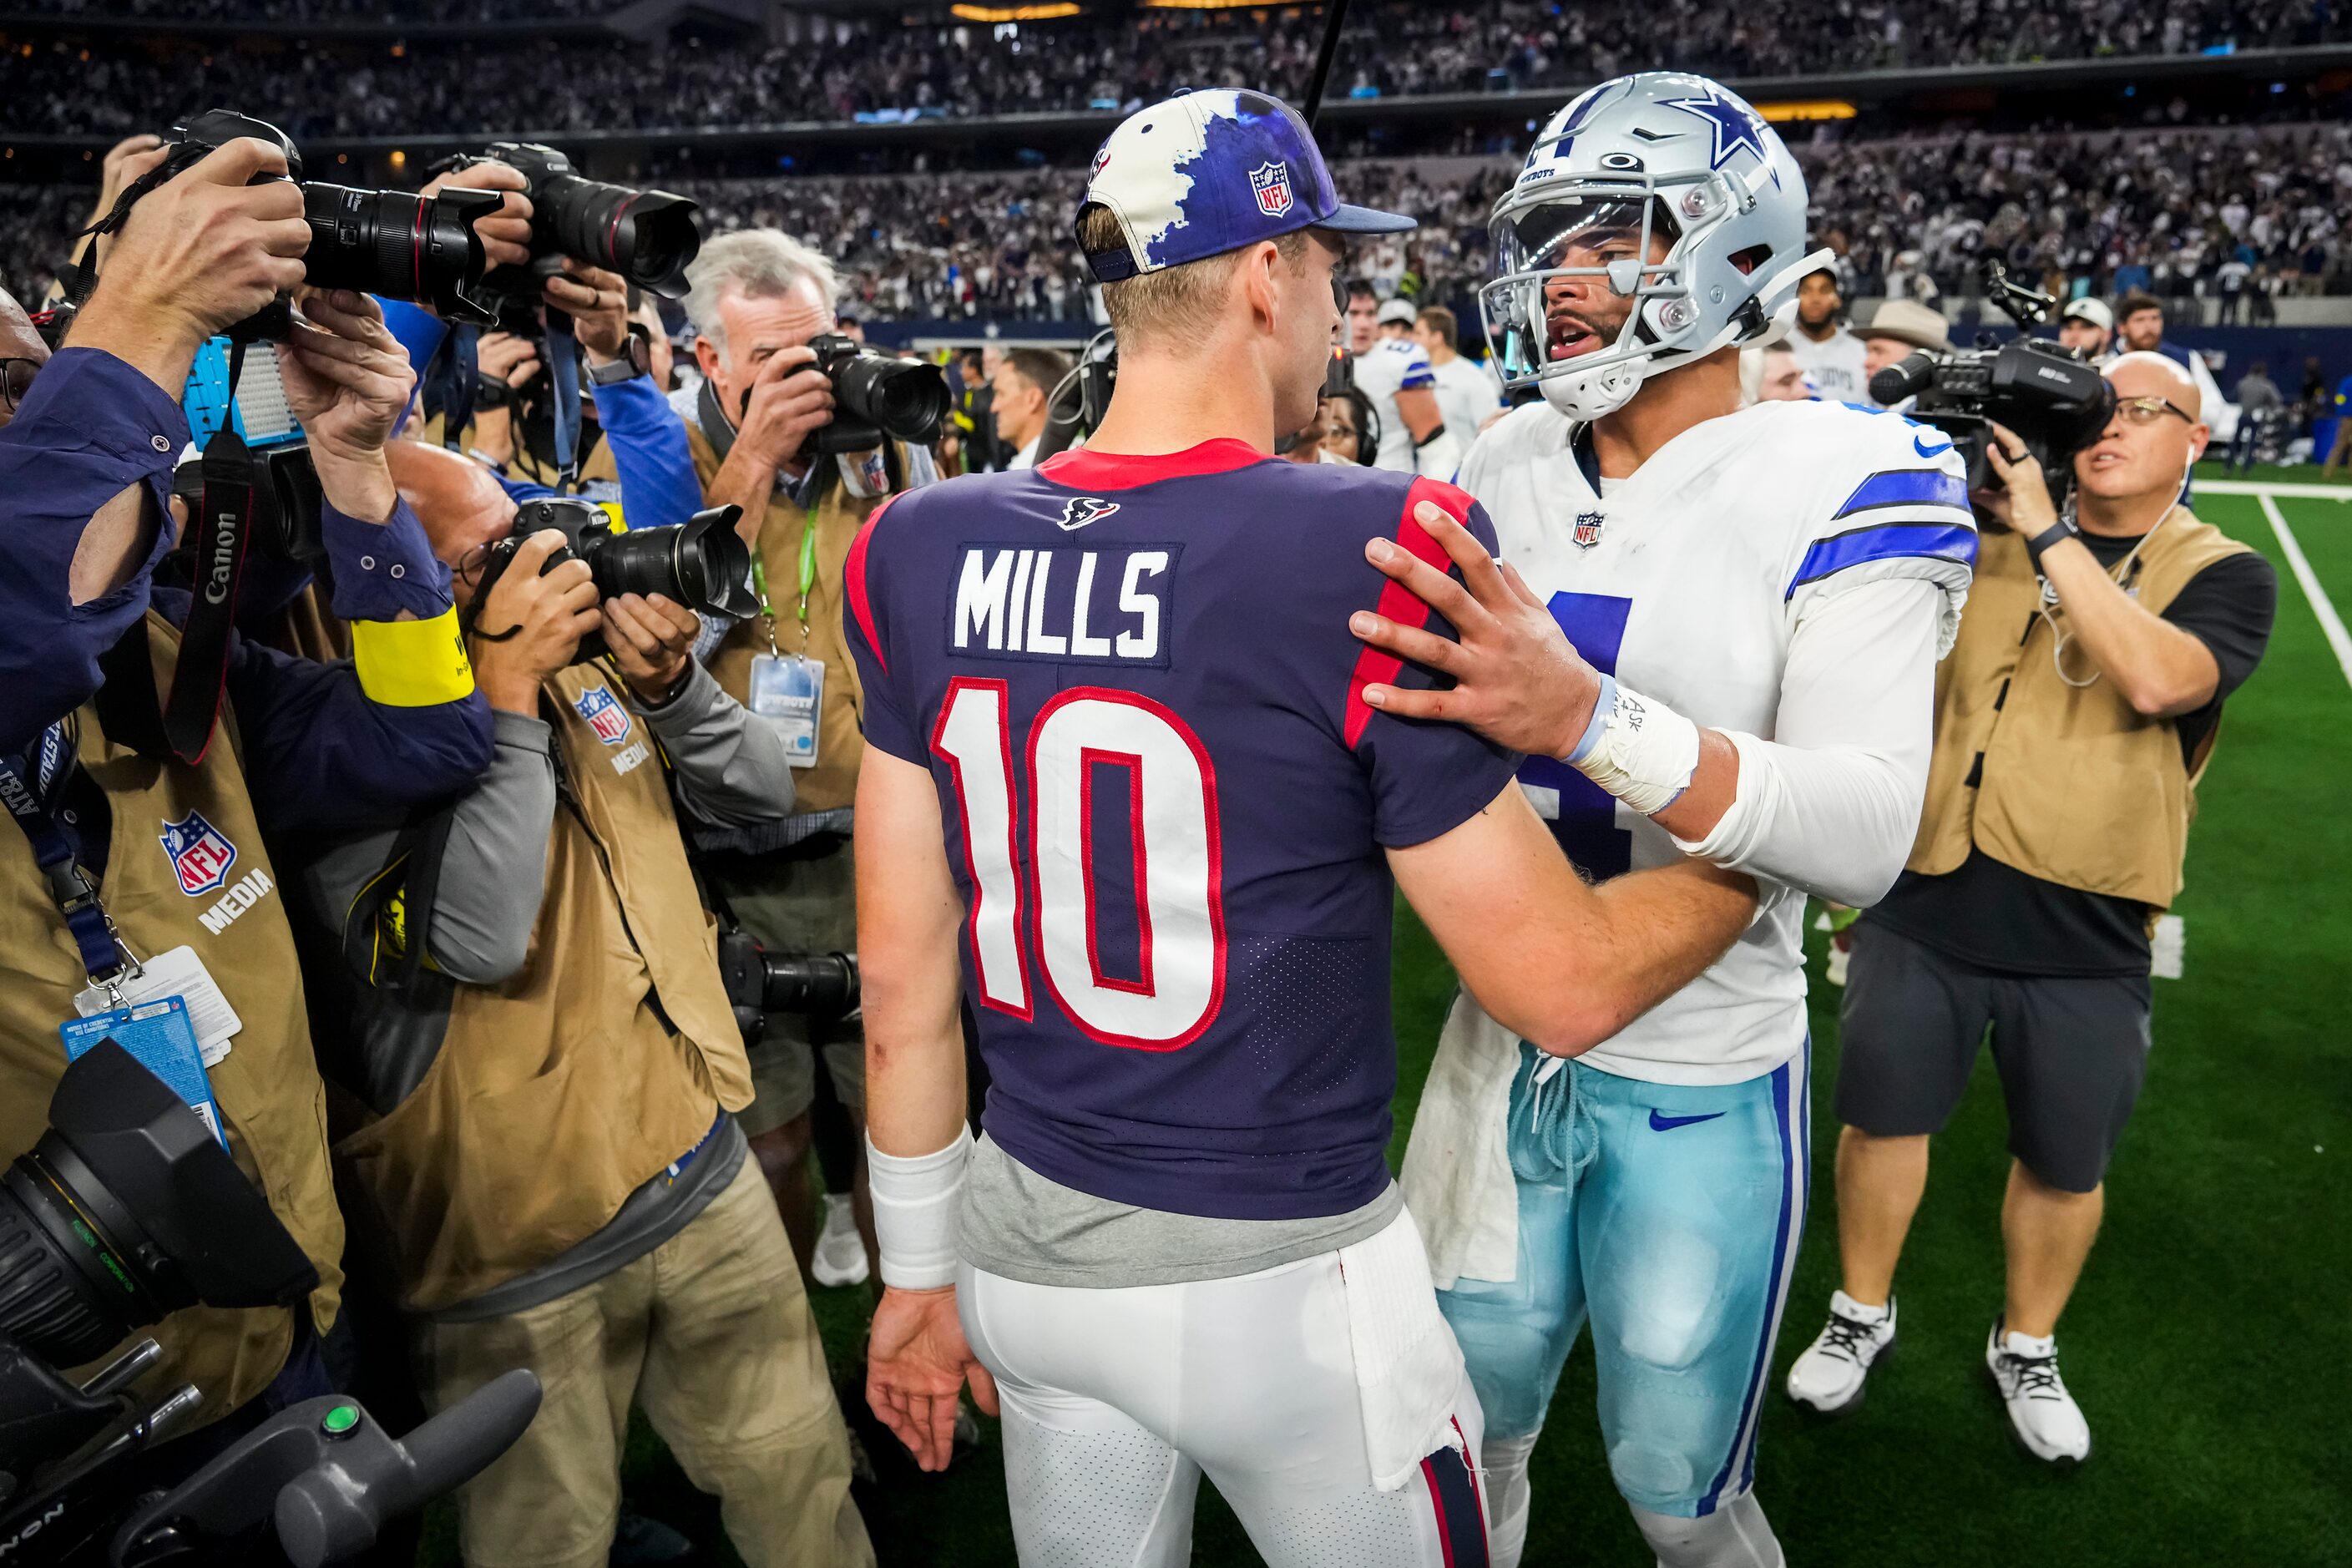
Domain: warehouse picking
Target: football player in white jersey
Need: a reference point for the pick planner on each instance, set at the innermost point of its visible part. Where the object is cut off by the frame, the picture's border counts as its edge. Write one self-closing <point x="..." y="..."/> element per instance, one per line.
<point x="1753" y="601"/>
<point x="1394" y="374"/>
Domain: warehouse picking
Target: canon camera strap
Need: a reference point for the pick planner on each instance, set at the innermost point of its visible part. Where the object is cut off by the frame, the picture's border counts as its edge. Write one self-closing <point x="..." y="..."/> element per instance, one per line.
<point x="224" y="519"/>
<point x="563" y="373"/>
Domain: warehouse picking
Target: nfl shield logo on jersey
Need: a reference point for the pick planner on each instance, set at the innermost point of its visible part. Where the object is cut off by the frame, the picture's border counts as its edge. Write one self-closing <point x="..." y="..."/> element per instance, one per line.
<point x="604" y="715"/>
<point x="1271" y="183"/>
<point x="1588" y="528"/>
<point x="201" y="854"/>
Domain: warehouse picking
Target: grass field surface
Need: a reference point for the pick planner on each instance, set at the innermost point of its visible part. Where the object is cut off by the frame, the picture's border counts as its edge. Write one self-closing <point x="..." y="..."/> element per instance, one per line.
<point x="2211" y="1343"/>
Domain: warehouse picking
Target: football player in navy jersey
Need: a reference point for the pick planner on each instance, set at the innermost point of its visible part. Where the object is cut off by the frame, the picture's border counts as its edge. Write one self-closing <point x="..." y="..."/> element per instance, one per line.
<point x="1123" y="791"/>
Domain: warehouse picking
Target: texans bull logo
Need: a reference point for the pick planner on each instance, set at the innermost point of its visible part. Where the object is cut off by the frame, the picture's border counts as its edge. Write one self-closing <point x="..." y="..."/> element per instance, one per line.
<point x="1084" y="510"/>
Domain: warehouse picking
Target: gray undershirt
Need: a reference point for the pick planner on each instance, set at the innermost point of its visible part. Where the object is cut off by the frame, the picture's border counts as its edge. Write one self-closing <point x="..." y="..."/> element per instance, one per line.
<point x="1020" y="1225"/>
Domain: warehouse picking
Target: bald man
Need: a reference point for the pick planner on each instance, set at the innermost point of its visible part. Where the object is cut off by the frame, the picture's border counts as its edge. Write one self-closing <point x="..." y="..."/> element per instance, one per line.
<point x="2054" y="826"/>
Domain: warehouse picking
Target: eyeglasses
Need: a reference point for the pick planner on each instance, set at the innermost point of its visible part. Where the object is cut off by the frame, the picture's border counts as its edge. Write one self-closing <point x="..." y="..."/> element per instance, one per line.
<point x="468" y="569"/>
<point x="2148" y="410"/>
<point x="16" y="380"/>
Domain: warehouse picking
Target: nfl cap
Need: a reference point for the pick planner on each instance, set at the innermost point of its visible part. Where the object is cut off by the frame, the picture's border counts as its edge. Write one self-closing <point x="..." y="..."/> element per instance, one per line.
<point x="2094" y="311"/>
<point x="1397" y="311"/>
<point x="1206" y="172"/>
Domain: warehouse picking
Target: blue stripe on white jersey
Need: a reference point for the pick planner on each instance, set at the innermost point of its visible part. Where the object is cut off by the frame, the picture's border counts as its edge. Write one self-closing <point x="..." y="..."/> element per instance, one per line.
<point x="1931" y="537"/>
<point x="1905" y="487"/>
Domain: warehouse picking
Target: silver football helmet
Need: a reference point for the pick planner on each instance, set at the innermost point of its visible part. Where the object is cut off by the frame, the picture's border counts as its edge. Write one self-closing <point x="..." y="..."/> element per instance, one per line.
<point x="1677" y="195"/>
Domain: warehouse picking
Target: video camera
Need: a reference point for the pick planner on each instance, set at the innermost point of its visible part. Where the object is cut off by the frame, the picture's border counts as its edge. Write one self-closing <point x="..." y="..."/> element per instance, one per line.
<point x="2056" y="401"/>
<point x="702" y="563"/>
<point x="127" y="1209"/>
<point x="646" y="237"/>
<point x="816" y="986"/>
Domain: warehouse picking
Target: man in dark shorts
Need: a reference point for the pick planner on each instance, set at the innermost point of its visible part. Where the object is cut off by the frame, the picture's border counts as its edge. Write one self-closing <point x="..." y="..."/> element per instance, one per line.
<point x="2073" y="720"/>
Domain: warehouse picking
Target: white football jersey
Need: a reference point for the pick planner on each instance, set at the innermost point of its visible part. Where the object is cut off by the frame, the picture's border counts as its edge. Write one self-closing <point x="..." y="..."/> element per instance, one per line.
<point x="1687" y="581"/>
<point x="1381" y="371"/>
<point x="1467" y="392"/>
<point x="1837" y="365"/>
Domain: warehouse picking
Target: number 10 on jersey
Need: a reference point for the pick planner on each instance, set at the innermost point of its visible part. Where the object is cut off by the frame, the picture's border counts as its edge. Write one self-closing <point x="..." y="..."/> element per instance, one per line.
<point x="1053" y="913"/>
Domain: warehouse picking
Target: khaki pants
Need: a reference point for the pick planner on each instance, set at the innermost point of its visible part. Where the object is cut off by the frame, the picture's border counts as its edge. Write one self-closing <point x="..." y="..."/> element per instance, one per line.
<point x="711" y="1333"/>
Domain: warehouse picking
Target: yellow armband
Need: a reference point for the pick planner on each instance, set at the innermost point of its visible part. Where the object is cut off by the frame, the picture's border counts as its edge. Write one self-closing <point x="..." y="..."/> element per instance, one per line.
<point x="412" y="664"/>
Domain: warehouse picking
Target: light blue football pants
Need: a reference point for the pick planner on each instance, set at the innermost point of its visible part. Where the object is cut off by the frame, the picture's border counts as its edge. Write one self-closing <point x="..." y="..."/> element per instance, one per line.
<point x="1671" y="1216"/>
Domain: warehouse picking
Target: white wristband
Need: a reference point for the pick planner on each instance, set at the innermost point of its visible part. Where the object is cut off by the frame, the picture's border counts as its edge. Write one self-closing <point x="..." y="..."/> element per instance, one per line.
<point x="915" y="1204"/>
<point x="1642" y="751"/>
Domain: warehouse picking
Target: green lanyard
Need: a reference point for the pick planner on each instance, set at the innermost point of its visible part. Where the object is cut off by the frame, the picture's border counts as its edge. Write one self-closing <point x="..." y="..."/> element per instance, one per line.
<point x="808" y="581"/>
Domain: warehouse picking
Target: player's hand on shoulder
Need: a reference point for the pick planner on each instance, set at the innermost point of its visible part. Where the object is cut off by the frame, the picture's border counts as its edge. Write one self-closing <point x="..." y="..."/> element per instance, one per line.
<point x="917" y="1362"/>
<point x="1517" y="679"/>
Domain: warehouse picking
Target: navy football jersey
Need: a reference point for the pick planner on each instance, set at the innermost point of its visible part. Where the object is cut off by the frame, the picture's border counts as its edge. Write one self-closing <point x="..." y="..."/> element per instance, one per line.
<point x="1165" y="802"/>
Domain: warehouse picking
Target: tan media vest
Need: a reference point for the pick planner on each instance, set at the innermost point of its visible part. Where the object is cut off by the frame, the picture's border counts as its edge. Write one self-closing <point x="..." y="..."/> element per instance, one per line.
<point x="556" y="1094"/>
<point x="832" y="783"/>
<point x="2077" y="787"/>
<point x="268" y="1088"/>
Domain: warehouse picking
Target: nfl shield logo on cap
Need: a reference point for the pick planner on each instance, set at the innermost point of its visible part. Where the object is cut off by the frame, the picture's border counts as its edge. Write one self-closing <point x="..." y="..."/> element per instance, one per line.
<point x="1271" y="183"/>
<point x="1206" y="172"/>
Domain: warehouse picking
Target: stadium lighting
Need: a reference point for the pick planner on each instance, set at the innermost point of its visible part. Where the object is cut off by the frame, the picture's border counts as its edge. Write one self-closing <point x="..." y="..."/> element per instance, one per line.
<point x="1811" y="109"/>
<point x="1015" y="13"/>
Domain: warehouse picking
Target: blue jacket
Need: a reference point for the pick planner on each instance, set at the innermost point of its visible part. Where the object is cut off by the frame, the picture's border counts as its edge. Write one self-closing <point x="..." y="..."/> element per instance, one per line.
<point x="317" y="749"/>
<point x="649" y="451"/>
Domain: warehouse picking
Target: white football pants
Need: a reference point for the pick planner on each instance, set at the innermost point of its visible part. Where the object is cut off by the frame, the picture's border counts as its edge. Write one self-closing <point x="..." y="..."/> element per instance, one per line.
<point x="1298" y="1391"/>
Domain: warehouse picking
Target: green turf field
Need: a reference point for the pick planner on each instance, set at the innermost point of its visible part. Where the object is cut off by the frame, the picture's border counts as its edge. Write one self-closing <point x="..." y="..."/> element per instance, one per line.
<point x="2211" y="1343"/>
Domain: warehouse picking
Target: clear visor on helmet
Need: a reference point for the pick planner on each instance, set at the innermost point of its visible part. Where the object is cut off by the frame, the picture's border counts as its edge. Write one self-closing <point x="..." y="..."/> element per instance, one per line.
<point x="1575" y="270"/>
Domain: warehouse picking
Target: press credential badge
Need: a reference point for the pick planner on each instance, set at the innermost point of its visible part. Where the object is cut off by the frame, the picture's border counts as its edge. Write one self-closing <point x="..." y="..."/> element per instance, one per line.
<point x="788" y="690"/>
<point x="179" y="973"/>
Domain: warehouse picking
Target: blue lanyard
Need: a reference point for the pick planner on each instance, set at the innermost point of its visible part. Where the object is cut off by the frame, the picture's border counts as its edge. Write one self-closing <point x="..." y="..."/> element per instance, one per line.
<point x="31" y="784"/>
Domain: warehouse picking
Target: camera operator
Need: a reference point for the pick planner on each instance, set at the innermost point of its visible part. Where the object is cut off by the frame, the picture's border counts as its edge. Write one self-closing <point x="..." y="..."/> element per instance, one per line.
<point x="2073" y="719"/>
<point x="756" y="299"/>
<point x="548" y="1066"/>
<point x="98" y="905"/>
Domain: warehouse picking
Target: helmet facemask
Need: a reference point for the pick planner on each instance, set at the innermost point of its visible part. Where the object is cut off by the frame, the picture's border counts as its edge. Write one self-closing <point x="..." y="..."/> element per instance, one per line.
<point x="1602" y="232"/>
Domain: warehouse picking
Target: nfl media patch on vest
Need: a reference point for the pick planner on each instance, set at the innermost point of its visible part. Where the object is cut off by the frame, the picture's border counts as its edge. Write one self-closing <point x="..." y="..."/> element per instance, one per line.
<point x="201" y="854"/>
<point x="604" y="715"/>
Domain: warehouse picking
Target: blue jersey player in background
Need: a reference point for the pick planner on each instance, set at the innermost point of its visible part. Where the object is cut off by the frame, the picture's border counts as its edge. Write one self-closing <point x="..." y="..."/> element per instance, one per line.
<point x="1124" y="792"/>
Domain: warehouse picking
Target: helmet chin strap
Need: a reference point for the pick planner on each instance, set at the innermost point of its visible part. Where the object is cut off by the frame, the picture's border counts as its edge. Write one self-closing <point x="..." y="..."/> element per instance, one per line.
<point x="1596" y="394"/>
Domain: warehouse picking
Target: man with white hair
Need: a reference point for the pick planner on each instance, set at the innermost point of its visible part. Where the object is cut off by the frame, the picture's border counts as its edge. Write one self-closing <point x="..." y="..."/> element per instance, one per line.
<point x="757" y="298"/>
<point x="2057" y="809"/>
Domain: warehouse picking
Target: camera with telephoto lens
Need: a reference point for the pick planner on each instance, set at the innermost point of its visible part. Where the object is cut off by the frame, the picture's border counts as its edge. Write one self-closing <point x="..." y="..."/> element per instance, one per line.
<point x="819" y="986"/>
<point x="646" y="237"/>
<point x="393" y="244"/>
<point x="702" y="563"/>
<point x="2056" y="401"/>
<point x="127" y="1209"/>
<point x="875" y="395"/>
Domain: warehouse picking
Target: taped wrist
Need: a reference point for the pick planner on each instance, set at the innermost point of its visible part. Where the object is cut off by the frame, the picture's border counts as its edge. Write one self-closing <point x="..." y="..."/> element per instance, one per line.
<point x="1643" y="752"/>
<point x="915" y="1204"/>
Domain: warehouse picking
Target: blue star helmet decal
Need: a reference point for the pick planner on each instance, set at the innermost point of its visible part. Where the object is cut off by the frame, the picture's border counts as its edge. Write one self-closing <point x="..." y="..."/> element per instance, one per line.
<point x="1734" y="126"/>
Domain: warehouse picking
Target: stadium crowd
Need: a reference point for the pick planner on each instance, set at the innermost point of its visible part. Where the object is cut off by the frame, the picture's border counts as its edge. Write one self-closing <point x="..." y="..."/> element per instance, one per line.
<point x="2233" y="218"/>
<point x="109" y="85"/>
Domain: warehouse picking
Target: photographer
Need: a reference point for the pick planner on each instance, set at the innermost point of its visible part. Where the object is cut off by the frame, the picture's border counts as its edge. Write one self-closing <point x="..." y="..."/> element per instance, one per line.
<point x="545" y="1065"/>
<point x="648" y="460"/>
<point x="756" y="299"/>
<point x="2073" y="719"/>
<point x="97" y="904"/>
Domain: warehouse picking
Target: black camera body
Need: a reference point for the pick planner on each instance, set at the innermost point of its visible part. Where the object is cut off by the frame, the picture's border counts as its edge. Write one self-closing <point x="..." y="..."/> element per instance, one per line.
<point x="396" y="244"/>
<point x="2056" y="402"/>
<point x="819" y="986"/>
<point x="646" y="237"/>
<point x="876" y="396"/>
<point x="702" y="563"/>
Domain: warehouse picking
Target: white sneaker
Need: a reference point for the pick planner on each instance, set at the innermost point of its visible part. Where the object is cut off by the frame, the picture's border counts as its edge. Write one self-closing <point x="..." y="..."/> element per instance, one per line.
<point x="2049" y="1424"/>
<point x="1828" y="1377"/>
<point x="840" y="1251"/>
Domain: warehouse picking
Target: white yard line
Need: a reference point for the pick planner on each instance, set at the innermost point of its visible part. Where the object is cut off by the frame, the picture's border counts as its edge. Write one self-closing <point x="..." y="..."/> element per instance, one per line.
<point x="2329" y="621"/>
<point x="2296" y="492"/>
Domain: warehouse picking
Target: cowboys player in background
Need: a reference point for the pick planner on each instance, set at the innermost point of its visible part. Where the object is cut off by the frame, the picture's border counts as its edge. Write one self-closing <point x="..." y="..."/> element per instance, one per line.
<point x="1756" y="600"/>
